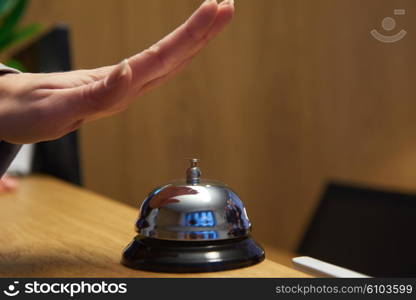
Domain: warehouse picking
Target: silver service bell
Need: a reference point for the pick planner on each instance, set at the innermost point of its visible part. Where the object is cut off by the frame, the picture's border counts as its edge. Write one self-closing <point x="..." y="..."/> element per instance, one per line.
<point x="192" y="225"/>
<point x="194" y="209"/>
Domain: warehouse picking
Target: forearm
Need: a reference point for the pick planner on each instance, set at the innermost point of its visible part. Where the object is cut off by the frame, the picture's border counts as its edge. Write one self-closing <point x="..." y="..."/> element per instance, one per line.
<point x="7" y="151"/>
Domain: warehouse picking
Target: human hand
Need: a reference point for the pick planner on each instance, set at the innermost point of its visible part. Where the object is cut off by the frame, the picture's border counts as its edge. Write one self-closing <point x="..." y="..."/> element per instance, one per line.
<point x="7" y="184"/>
<point x="39" y="107"/>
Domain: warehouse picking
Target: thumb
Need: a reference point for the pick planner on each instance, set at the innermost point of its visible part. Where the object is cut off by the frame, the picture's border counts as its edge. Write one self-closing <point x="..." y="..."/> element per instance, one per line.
<point x="99" y="98"/>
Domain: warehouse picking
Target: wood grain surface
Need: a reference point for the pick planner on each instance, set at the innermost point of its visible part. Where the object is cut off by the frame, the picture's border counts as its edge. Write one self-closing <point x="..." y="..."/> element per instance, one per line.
<point x="293" y="94"/>
<point x="52" y="229"/>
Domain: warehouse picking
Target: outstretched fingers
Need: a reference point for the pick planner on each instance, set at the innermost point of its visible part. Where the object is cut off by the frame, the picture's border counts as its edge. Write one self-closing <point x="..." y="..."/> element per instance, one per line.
<point x="224" y="16"/>
<point x="103" y="91"/>
<point x="161" y="61"/>
<point x="168" y="53"/>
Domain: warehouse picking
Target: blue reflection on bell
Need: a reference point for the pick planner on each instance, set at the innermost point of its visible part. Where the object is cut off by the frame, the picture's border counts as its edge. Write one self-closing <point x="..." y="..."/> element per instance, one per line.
<point x="198" y="235"/>
<point x="200" y="219"/>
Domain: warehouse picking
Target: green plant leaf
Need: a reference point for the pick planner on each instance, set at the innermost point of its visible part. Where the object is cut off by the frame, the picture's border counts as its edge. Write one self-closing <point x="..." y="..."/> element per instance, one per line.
<point x="15" y="64"/>
<point x="2" y="5"/>
<point x="20" y="35"/>
<point x="12" y="19"/>
<point x="5" y="7"/>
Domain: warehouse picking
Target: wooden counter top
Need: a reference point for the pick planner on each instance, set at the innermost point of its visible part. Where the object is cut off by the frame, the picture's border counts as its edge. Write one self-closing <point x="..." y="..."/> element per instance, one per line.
<point x="52" y="229"/>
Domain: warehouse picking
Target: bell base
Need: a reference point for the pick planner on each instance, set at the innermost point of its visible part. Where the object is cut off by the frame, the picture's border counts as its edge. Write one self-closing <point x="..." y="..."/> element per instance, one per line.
<point x="155" y="255"/>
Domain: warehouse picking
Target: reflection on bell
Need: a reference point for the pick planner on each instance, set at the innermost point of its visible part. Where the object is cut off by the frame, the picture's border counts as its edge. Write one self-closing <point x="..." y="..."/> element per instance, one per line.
<point x="192" y="226"/>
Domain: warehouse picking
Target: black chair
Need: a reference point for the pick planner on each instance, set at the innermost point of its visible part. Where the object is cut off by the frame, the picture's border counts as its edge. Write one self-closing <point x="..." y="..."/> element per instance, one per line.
<point x="365" y="230"/>
<point x="51" y="53"/>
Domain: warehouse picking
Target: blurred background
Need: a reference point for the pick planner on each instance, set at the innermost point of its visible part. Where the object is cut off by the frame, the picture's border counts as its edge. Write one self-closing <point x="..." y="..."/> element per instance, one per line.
<point x="295" y="94"/>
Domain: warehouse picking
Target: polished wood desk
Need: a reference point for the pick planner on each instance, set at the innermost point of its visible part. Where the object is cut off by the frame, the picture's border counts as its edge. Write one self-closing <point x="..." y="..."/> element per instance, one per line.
<point x="52" y="229"/>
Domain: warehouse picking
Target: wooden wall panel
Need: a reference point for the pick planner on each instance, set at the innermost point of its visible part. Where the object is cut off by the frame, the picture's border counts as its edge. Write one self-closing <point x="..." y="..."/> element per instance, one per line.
<point x="293" y="94"/>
